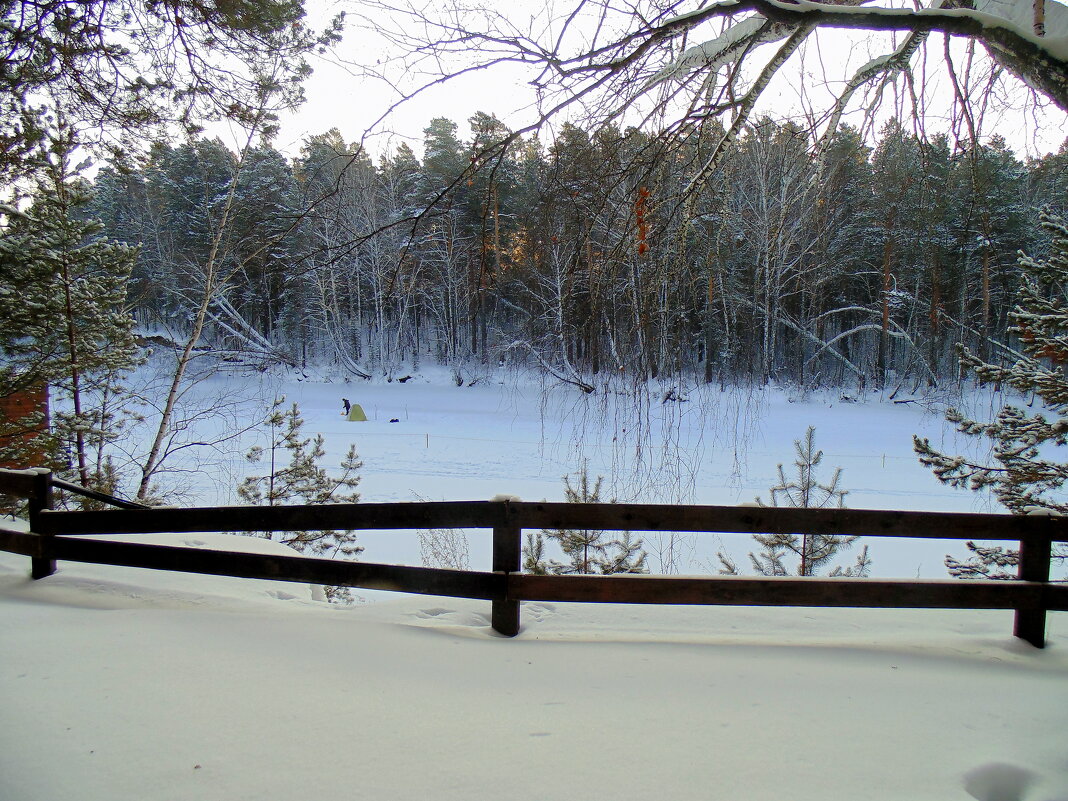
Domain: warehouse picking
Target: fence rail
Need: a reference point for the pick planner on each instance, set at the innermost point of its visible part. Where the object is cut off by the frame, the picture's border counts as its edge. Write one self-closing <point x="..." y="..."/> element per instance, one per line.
<point x="65" y="535"/>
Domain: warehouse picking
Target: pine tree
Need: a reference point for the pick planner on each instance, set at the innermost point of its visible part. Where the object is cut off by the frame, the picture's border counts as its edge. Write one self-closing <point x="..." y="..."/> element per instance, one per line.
<point x="63" y="312"/>
<point x="1024" y="476"/>
<point x="534" y="561"/>
<point x="301" y="481"/>
<point x="121" y="69"/>
<point x="443" y="161"/>
<point x="813" y="551"/>
<point x="266" y="208"/>
<point x="587" y="549"/>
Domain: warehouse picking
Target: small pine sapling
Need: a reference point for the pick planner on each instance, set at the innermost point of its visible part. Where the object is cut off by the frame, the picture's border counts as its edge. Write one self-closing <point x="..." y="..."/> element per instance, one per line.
<point x="583" y="547"/>
<point x="534" y="561"/>
<point x="588" y="550"/>
<point x="627" y="556"/>
<point x="813" y="551"/>
<point x="301" y="480"/>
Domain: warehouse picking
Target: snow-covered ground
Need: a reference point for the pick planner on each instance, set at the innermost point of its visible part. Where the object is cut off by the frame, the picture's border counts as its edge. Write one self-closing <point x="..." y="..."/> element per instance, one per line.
<point x="124" y="685"/>
<point x="507" y="435"/>
<point x="119" y="684"/>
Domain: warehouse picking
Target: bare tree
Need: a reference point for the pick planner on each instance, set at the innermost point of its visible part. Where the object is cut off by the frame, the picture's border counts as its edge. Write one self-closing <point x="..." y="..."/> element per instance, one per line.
<point x="676" y="66"/>
<point x="204" y="300"/>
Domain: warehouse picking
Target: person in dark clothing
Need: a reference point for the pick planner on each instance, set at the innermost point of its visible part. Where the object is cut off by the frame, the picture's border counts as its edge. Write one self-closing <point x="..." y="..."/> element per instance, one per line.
<point x="345" y="403"/>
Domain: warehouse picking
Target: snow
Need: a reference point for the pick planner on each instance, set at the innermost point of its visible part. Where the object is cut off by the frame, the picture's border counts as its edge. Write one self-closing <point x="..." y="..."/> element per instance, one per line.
<point x="124" y="684"/>
<point x="510" y="435"/>
<point x="711" y="54"/>
<point x="119" y="683"/>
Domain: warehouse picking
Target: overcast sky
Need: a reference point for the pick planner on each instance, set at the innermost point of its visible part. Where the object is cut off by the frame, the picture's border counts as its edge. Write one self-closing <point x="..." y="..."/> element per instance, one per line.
<point x="339" y="97"/>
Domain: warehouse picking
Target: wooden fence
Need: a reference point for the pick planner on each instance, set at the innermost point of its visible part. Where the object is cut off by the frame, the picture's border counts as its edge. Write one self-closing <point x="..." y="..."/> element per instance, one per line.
<point x="66" y="535"/>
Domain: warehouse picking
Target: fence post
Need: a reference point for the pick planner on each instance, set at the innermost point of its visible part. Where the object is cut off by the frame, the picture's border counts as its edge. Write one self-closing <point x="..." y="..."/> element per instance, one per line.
<point x="507" y="558"/>
<point x="1030" y="624"/>
<point x="41" y="499"/>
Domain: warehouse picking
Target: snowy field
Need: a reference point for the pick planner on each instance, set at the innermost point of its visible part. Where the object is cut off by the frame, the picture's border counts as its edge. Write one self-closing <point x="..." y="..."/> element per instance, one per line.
<point x="119" y="684"/>
<point x="507" y="435"/>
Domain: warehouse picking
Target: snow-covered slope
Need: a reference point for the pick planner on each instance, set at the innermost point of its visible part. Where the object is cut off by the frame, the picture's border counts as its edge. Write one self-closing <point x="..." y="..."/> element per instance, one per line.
<point x="121" y="684"/>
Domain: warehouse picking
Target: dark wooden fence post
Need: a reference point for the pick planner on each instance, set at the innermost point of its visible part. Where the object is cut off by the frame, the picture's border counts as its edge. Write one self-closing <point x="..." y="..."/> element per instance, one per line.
<point x="507" y="558"/>
<point x="41" y="499"/>
<point x="1030" y="624"/>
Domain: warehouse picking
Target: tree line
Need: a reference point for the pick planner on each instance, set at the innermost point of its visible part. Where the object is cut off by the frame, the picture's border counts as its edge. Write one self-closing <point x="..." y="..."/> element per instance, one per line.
<point x="854" y="263"/>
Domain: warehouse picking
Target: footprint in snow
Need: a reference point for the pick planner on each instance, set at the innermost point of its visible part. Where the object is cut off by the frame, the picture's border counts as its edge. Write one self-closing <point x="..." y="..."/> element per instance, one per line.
<point x="436" y="611"/>
<point x="538" y="611"/>
<point x="455" y="618"/>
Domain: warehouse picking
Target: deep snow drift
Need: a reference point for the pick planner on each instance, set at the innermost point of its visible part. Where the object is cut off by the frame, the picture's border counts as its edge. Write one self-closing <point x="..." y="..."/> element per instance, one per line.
<point x="123" y="685"/>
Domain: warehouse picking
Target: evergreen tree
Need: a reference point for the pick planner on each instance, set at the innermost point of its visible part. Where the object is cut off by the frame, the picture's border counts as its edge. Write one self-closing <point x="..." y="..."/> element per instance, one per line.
<point x="443" y="162"/>
<point x="118" y="69"/>
<point x="266" y="212"/>
<point x="840" y="257"/>
<point x="898" y="175"/>
<point x="401" y="176"/>
<point x="302" y="480"/>
<point x="992" y="217"/>
<point x="534" y="560"/>
<point x="813" y="551"/>
<point x="63" y="316"/>
<point x="1024" y="476"/>
<point x="1048" y="181"/>
<point x="588" y="550"/>
<point x="818" y="269"/>
<point x="627" y="557"/>
<point x="937" y="204"/>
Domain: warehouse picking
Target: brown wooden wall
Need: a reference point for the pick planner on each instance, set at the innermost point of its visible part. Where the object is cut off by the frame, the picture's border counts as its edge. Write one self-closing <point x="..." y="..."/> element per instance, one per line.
<point x="13" y="409"/>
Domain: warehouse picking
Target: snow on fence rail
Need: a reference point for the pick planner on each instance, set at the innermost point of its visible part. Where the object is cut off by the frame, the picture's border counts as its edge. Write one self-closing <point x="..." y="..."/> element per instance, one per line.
<point x="61" y="535"/>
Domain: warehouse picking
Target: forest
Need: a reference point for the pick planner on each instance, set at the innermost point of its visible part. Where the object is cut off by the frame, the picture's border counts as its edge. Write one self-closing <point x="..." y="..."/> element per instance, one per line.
<point x="860" y="263"/>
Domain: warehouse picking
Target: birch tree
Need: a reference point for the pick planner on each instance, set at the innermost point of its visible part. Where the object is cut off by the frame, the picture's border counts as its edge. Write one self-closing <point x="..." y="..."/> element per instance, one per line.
<point x="208" y="278"/>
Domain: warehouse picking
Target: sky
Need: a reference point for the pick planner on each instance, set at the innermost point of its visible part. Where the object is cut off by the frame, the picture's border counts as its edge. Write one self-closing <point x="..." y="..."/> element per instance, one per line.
<point x="341" y="95"/>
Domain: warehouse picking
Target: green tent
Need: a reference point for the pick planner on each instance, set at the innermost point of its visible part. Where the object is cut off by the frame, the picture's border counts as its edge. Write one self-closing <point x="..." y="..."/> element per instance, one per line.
<point x="356" y="414"/>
